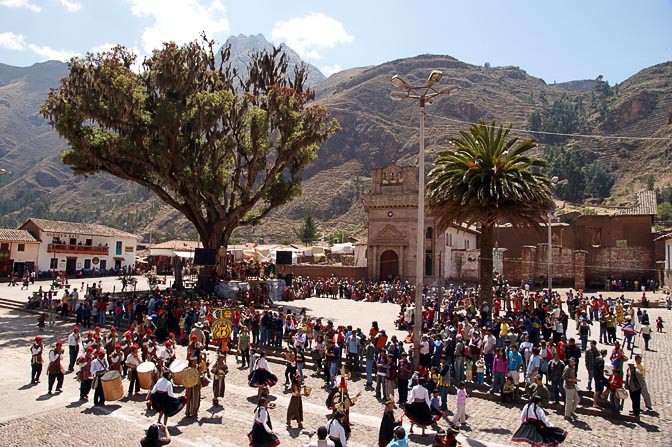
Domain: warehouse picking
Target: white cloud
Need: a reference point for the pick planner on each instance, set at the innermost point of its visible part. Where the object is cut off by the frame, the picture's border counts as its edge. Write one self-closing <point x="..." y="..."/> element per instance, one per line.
<point x="12" y="41"/>
<point x="311" y="35"/>
<point x="21" y="4"/>
<point x="71" y="6"/>
<point x="17" y="42"/>
<point x="103" y="48"/>
<point x="180" y="21"/>
<point x="48" y="53"/>
<point x="329" y="70"/>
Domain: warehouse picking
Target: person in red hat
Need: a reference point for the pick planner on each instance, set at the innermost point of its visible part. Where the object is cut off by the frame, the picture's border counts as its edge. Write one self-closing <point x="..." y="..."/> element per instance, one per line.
<point x="99" y="367"/>
<point x="73" y="347"/>
<point x="89" y="340"/>
<point x="55" y="369"/>
<point x="126" y="344"/>
<point x="166" y="356"/>
<point x="132" y="362"/>
<point x="116" y="358"/>
<point x="36" y="360"/>
<point x="85" y="377"/>
<point x="111" y="339"/>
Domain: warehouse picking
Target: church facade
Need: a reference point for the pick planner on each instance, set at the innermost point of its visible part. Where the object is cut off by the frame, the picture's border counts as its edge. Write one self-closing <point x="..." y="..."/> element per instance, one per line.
<point x="392" y="210"/>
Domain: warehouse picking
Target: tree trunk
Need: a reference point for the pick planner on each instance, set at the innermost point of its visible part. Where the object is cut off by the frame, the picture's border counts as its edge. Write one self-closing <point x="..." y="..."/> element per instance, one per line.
<point x="177" y="273"/>
<point x="487" y="244"/>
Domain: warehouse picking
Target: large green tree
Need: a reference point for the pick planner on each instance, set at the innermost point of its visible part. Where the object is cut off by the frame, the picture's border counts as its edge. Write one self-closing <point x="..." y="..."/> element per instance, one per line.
<point x="221" y="147"/>
<point x="488" y="178"/>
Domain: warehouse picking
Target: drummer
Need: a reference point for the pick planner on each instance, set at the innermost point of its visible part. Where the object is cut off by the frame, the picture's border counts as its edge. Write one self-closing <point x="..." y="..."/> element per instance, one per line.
<point x="166" y="356"/>
<point x="99" y="367"/>
<point x="132" y="362"/>
<point x="116" y="358"/>
<point x="111" y="340"/>
<point x="126" y="345"/>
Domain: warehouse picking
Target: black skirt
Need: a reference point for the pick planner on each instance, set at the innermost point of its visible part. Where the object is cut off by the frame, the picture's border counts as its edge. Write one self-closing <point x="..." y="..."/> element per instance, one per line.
<point x="420" y="414"/>
<point x="259" y="437"/>
<point x="261" y="377"/>
<point x="167" y="405"/>
<point x="537" y="434"/>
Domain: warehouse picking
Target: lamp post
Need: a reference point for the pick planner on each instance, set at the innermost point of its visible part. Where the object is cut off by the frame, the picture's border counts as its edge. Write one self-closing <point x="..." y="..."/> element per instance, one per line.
<point x="425" y="95"/>
<point x="555" y="182"/>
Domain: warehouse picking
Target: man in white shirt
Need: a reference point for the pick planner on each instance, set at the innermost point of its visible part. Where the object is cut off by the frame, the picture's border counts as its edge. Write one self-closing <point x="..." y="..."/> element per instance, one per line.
<point x="98" y="368"/>
<point x="73" y="347"/>
<point x="322" y="440"/>
<point x="36" y="360"/>
<point x="337" y="431"/>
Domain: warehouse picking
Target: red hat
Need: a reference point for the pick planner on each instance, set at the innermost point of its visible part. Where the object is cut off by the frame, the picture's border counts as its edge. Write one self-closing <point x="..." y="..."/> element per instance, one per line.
<point x="135" y="346"/>
<point x="127" y="334"/>
<point x="38" y="338"/>
<point x="59" y="342"/>
<point x="97" y="337"/>
<point x="149" y="331"/>
<point x="89" y="333"/>
<point x="117" y="346"/>
<point x="113" y="329"/>
<point x="101" y="352"/>
<point x="168" y="344"/>
<point x="76" y="329"/>
<point x="97" y="328"/>
<point x="132" y="327"/>
<point x="89" y="349"/>
<point x="171" y="335"/>
<point x="194" y="337"/>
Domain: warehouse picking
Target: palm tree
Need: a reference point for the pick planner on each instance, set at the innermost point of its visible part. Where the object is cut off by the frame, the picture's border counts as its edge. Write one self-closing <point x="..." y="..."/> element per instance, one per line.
<point x="488" y="179"/>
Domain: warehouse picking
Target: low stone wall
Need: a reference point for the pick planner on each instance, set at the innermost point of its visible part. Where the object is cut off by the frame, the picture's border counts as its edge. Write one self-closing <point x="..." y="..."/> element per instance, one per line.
<point x="323" y="271"/>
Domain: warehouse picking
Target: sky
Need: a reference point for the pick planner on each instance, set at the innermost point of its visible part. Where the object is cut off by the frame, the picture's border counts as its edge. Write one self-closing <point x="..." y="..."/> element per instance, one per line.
<point x="557" y="41"/>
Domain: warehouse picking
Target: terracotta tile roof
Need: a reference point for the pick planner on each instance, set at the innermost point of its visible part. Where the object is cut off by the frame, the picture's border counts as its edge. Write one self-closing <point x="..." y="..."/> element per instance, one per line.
<point x="56" y="226"/>
<point x="16" y="236"/>
<point x="646" y="205"/>
<point x="175" y="245"/>
<point x="663" y="237"/>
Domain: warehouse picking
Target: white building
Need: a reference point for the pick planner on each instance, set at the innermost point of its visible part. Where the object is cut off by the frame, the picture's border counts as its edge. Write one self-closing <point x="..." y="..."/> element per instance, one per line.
<point x="18" y="252"/>
<point x="667" y="266"/>
<point x="70" y="247"/>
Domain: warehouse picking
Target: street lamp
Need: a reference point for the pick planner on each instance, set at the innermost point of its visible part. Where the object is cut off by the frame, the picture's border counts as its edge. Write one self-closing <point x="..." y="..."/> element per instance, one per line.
<point x="425" y="95"/>
<point x="555" y="182"/>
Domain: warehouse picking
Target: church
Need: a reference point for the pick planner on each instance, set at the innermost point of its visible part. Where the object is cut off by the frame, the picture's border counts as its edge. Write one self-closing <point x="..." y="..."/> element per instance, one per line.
<point x="392" y="209"/>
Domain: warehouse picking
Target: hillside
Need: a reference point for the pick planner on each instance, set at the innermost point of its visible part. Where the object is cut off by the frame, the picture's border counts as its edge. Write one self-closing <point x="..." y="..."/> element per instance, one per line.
<point x="375" y="131"/>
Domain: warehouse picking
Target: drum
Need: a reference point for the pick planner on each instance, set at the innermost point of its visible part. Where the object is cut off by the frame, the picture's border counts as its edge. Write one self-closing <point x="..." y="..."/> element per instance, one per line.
<point x="191" y="377"/>
<point x="177" y="368"/>
<point x="146" y="375"/>
<point x="112" y="387"/>
<point x="307" y="390"/>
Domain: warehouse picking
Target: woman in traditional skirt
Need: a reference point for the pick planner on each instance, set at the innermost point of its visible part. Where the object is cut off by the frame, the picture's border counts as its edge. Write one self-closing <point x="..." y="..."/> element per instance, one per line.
<point x="163" y="400"/>
<point x="261" y="376"/>
<point x="262" y="431"/>
<point x="418" y="409"/>
<point x="535" y="428"/>
<point x="219" y="372"/>
<point x="295" y="408"/>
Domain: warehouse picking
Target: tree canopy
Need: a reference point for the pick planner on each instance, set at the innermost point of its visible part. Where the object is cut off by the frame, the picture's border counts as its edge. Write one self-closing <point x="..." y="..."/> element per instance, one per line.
<point x="223" y="148"/>
<point x="487" y="179"/>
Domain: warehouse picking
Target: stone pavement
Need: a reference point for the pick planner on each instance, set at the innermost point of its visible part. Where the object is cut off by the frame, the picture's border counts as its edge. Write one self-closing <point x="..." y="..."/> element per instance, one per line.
<point x="29" y="417"/>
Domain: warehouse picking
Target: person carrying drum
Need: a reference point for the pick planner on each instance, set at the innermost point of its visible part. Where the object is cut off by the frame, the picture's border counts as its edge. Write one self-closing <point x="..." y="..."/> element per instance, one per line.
<point x="132" y="363"/>
<point x="84" y="374"/>
<point x="99" y="367"/>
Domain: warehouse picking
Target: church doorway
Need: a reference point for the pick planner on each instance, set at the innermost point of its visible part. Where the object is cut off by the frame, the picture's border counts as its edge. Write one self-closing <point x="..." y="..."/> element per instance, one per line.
<point x="389" y="265"/>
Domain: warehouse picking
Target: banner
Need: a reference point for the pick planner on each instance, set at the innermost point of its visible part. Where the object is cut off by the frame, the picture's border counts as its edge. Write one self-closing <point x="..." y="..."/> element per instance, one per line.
<point x="222" y="323"/>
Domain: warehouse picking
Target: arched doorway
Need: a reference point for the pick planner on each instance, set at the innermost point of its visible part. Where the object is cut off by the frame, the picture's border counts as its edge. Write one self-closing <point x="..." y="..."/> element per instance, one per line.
<point x="389" y="265"/>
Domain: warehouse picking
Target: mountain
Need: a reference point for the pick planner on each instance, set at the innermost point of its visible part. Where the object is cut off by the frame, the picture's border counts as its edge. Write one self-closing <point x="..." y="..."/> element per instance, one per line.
<point x="242" y="46"/>
<point x="375" y="131"/>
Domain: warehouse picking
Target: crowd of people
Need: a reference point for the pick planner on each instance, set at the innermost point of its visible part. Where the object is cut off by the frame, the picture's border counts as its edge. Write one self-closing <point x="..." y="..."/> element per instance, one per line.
<point x="519" y="347"/>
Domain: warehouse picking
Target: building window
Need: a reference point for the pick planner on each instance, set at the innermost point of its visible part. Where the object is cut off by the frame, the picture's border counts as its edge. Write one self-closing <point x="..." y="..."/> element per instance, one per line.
<point x="73" y="241"/>
<point x="466" y="244"/>
<point x="449" y="240"/>
<point x="21" y="247"/>
<point x="428" y="263"/>
<point x="87" y="264"/>
<point x="53" y="263"/>
<point x="118" y="252"/>
<point x="429" y="233"/>
<point x="89" y="242"/>
<point x="55" y="240"/>
<point x="4" y="247"/>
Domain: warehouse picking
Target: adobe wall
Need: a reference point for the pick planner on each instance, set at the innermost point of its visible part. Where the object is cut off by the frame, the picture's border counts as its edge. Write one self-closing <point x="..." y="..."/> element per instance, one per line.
<point x="325" y="271"/>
